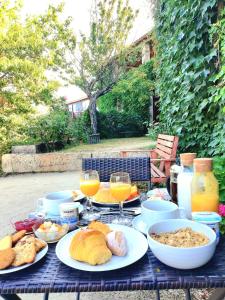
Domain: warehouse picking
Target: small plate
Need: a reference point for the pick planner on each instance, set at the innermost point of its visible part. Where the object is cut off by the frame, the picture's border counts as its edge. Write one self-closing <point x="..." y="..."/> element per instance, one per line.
<point x="136" y="242"/>
<point x="38" y="257"/>
<point x="139" y="224"/>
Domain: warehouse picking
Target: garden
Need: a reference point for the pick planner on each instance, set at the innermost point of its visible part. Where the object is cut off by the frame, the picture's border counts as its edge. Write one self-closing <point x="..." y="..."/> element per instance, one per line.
<point x="186" y="73"/>
<point x="179" y="91"/>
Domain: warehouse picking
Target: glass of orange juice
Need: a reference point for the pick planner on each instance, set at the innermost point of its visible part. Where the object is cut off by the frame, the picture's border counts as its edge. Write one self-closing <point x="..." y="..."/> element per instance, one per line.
<point x="120" y="188"/>
<point x="89" y="186"/>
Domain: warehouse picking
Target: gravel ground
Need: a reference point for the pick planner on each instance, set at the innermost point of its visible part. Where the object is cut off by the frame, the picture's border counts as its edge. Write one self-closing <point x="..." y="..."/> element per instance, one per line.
<point x="18" y="196"/>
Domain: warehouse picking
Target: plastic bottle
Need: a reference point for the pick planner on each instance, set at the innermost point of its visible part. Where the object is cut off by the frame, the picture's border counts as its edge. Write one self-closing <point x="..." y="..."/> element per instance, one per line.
<point x="204" y="187"/>
<point x="184" y="180"/>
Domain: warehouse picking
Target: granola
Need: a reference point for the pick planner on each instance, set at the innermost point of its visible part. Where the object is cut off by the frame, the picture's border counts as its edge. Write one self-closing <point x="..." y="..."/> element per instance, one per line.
<point x="182" y="238"/>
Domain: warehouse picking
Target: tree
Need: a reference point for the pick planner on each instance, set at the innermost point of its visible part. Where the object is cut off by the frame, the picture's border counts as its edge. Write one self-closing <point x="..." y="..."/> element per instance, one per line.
<point x="28" y="49"/>
<point x="101" y="52"/>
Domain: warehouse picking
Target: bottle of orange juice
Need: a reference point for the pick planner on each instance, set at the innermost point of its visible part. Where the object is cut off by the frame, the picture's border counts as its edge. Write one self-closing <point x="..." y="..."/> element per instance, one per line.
<point x="204" y="187"/>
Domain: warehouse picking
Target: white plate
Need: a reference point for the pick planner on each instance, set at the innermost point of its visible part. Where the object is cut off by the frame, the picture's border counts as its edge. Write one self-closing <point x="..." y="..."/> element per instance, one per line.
<point x="114" y="204"/>
<point x="139" y="224"/>
<point x="137" y="247"/>
<point x="39" y="256"/>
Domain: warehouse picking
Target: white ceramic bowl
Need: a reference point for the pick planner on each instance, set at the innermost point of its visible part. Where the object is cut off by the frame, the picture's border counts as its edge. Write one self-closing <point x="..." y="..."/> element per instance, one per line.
<point x="182" y="258"/>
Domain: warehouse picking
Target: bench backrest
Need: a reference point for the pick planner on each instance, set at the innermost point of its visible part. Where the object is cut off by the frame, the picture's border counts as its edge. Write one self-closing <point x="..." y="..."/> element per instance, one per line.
<point x="137" y="167"/>
<point x="166" y="146"/>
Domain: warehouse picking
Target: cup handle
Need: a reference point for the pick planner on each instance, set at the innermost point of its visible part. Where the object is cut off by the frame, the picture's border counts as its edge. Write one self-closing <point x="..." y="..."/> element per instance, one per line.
<point x="40" y="206"/>
<point x="182" y="213"/>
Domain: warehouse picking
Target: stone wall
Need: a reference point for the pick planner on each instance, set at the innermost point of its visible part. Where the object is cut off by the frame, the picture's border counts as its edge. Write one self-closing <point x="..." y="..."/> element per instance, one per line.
<point x="25" y="149"/>
<point x="48" y="162"/>
<point x="52" y="162"/>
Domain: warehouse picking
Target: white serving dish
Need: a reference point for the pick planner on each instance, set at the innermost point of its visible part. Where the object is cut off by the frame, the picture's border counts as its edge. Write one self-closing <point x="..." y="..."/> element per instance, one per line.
<point x="182" y="258"/>
<point x="136" y="243"/>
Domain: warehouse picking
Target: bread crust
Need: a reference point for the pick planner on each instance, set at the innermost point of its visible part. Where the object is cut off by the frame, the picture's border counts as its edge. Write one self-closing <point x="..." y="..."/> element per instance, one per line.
<point x="17" y="236"/>
<point x="25" y="251"/>
<point x="7" y="256"/>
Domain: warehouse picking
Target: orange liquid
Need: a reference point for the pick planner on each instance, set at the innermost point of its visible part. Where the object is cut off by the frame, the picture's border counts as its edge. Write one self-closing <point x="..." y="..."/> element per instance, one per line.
<point x="89" y="187"/>
<point x="120" y="191"/>
<point x="205" y="202"/>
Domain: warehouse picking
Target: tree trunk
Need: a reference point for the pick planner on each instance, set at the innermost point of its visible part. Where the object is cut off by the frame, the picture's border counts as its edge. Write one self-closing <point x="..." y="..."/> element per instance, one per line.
<point x="93" y="115"/>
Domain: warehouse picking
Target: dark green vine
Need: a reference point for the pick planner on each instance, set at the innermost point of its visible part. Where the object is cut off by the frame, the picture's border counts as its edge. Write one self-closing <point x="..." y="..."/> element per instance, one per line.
<point x="191" y="102"/>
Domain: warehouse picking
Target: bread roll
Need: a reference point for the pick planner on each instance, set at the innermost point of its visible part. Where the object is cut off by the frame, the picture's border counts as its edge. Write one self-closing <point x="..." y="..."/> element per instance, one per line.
<point x="99" y="226"/>
<point x="89" y="246"/>
<point x="116" y="242"/>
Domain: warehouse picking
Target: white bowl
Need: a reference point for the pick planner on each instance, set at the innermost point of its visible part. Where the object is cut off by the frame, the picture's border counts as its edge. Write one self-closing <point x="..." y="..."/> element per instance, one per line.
<point x="182" y="258"/>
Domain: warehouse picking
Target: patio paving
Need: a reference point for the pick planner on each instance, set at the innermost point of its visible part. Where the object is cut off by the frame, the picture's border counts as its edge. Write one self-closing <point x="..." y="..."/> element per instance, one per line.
<point x="18" y="196"/>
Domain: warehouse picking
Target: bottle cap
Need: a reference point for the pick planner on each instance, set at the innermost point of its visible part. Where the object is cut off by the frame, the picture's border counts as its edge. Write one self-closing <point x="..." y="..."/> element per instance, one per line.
<point x="203" y="164"/>
<point x="207" y="217"/>
<point x="187" y="159"/>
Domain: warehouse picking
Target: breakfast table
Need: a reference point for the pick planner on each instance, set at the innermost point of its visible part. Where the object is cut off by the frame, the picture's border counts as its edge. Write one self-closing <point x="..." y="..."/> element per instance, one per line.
<point x="50" y="275"/>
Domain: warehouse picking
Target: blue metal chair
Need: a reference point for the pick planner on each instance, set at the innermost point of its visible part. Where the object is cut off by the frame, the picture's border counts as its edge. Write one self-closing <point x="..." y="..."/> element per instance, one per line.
<point x="137" y="167"/>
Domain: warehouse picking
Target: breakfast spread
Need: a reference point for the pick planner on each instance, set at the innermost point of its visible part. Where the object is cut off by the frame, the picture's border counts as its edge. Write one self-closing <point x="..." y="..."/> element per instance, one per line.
<point x="96" y="244"/>
<point x="50" y="231"/>
<point x="182" y="238"/>
<point x="19" y="249"/>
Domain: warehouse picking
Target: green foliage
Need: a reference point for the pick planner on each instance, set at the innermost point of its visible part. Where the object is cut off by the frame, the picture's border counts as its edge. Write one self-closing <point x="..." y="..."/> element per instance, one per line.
<point x="28" y="48"/>
<point x="59" y="126"/>
<point x="153" y="130"/>
<point x="222" y="226"/>
<point x="219" y="171"/>
<point x="132" y="93"/>
<point x="52" y="127"/>
<point x="190" y="104"/>
<point x="81" y="128"/>
<point x="114" y="124"/>
<point x="217" y="141"/>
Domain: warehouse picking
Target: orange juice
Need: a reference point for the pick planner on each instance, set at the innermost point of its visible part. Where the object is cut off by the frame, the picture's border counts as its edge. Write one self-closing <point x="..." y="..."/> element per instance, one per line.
<point x="205" y="202"/>
<point x="120" y="191"/>
<point x="204" y="187"/>
<point x="89" y="187"/>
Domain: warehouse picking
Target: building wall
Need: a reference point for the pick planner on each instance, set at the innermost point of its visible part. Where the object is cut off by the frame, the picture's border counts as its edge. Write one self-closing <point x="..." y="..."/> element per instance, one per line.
<point x="78" y="107"/>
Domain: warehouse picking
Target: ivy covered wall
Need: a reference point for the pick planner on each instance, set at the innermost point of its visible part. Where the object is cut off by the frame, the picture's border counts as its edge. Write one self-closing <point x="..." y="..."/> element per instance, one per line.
<point x="192" y="94"/>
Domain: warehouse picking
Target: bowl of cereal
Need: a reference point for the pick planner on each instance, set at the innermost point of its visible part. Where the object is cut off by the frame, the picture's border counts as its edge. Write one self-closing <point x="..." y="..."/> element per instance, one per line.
<point x="50" y="230"/>
<point x="181" y="243"/>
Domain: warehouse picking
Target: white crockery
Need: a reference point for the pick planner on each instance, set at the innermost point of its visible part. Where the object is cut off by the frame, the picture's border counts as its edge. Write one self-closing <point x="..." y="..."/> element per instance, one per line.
<point x="136" y="242"/>
<point x="153" y="211"/>
<point x="50" y="203"/>
<point x="182" y="258"/>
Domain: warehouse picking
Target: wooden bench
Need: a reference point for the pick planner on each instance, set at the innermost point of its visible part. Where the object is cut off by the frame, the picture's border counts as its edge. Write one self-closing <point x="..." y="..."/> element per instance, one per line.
<point x="161" y="157"/>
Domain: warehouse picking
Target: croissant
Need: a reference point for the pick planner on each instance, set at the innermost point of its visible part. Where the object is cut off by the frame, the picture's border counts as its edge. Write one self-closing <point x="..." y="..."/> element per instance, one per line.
<point x="89" y="246"/>
<point x="104" y="228"/>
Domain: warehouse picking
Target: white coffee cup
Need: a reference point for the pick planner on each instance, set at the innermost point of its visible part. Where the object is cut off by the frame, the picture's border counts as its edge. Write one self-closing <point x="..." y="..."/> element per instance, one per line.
<point x="51" y="202"/>
<point x="153" y="211"/>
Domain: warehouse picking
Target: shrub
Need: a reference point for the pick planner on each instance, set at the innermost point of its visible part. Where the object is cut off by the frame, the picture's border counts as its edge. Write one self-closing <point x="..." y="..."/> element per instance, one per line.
<point x="53" y="127"/>
<point x="114" y="124"/>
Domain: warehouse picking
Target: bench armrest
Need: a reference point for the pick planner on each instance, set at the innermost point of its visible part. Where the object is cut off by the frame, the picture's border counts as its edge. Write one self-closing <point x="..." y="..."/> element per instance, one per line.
<point x="162" y="159"/>
<point x="123" y="153"/>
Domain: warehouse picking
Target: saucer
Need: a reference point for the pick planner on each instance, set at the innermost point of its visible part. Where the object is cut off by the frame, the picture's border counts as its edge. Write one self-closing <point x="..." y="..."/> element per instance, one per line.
<point x="140" y="225"/>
